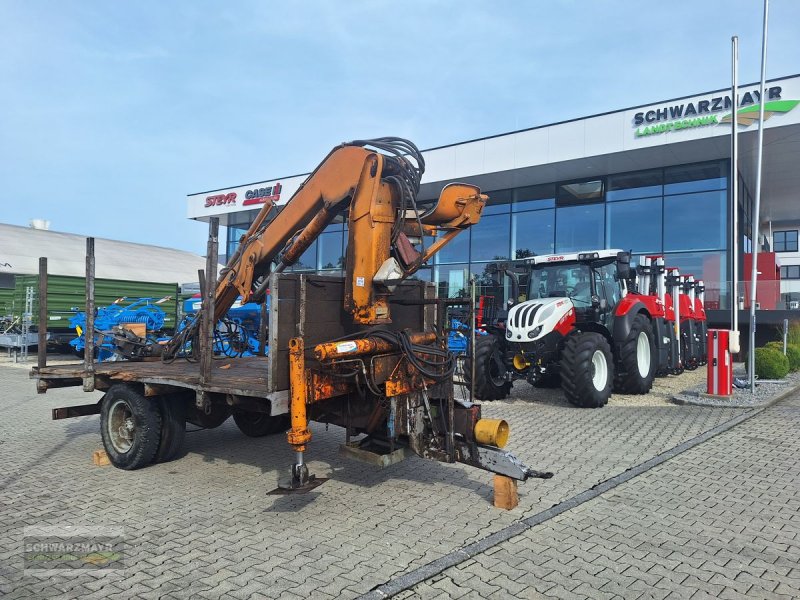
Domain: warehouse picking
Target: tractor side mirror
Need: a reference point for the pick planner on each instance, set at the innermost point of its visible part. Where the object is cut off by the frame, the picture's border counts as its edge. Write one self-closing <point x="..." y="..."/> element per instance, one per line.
<point x="624" y="265"/>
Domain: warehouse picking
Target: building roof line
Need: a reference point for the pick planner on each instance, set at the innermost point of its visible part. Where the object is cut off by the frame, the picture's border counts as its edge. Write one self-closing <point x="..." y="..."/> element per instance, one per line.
<point x="99" y="239"/>
<point x="498" y="135"/>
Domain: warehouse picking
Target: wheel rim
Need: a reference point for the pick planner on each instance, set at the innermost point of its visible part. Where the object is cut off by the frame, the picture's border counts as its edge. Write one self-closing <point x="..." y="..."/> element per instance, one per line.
<point x="643" y="354"/>
<point x="121" y="426"/>
<point x="599" y="370"/>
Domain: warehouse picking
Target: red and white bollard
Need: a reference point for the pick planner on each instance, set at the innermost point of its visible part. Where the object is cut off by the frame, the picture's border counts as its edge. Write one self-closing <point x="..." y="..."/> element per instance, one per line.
<point x="720" y="363"/>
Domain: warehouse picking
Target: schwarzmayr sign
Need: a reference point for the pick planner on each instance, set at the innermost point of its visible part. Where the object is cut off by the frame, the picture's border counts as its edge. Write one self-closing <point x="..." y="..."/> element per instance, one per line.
<point x="701" y="113"/>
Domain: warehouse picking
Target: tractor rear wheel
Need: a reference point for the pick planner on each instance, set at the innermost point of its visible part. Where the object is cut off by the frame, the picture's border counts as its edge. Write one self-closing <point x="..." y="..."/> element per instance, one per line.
<point x="636" y="362"/>
<point x="587" y="370"/>
<point x="254" y="424"/>
<point x="490" y="370"/>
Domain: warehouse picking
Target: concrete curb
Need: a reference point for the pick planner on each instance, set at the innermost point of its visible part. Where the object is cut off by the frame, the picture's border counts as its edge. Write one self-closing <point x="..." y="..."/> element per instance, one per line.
<point x="412" y="578"/>
<point x="712" y="403"/>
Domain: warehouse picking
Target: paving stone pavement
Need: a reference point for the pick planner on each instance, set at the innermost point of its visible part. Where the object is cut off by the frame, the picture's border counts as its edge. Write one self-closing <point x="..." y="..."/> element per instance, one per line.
<point x="721" y="520"/>
<point x="203" y="526"/>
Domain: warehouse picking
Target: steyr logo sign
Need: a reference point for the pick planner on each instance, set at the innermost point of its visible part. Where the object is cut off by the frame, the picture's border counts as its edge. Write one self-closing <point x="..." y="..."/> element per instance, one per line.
<point x="221" y="200"/>
<point x="706" y="112"/>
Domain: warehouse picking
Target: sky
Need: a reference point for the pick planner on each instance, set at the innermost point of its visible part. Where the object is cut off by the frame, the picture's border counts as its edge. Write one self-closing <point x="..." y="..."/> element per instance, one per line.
<point x="112" y="112"/>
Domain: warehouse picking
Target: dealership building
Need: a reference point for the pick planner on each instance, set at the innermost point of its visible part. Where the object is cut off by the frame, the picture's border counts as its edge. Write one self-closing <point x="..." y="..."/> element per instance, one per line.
<point x="654" y="179"/>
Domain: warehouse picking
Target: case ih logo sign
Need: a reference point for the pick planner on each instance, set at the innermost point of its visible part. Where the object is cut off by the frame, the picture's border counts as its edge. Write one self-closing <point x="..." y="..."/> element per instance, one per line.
<point x="221" y="200"/>
<point x="261" y="195"/>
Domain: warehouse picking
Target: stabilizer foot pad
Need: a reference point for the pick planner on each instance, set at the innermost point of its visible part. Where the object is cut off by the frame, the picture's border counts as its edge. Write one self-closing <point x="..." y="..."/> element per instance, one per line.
<point x="312" y="483"/>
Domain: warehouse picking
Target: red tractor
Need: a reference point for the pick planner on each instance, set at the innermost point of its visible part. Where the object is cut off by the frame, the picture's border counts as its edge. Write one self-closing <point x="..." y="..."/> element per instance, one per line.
<point x="693" y="324"/>
<point x="682" y="327"/>
<point x="572" y="320"/>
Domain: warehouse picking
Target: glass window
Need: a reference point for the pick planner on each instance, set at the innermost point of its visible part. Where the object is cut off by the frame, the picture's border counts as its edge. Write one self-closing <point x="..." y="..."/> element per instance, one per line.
<point x="784" y="241"/>
<point x="580" y="192"/>
<point x="695" y="221"/>
<point x="235" y="233"/>
<point x="790" y="272"/>
<point x="642" y="184"/>
<point x="533" y="232"/>
<point x="695" y="178"/>
<point x="308" y="261"/>
<point x="708" y="266"/>
<point x="634" y="225"/>
<point x="580" y="228"/>
<point x="556" y="281"/>
<point x="534" y="197"/>
<point x="490" y="238"/>
<point x="452" y="280"/>
<point x="499" y="202"/>
<point x="330" y="250"/>
<point x="457" y="250"/>
<point x="492" y="291"/>
<point x="607" y="283"/>
<point x="244" y="217"/>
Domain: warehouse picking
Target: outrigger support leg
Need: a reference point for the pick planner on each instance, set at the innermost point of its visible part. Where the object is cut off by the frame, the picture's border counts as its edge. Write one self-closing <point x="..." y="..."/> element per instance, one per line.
<point x="299" y="435"/>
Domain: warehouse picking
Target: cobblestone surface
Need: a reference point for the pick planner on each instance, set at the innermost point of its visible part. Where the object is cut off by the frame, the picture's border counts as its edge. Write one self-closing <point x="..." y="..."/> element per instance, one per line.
<point x="721" y="520"/>
<point x="203" y="526"/>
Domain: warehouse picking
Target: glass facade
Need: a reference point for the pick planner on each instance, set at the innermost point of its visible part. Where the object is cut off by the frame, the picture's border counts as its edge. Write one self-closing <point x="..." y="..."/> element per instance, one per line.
<point x="678" y="211"/>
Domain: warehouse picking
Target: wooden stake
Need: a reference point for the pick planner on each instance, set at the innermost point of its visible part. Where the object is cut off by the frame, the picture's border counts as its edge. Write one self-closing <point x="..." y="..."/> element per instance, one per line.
<point x="505" y="492"/>
<point x="100" y="458"/>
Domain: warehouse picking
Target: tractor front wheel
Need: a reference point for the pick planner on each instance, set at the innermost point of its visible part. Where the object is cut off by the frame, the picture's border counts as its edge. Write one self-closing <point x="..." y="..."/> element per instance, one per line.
<point x="490" y="370"/>
<point x="587" y="370"/>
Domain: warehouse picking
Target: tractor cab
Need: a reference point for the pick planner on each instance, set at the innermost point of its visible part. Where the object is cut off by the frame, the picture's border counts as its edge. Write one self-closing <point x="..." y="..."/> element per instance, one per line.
<point x="594" y="282"/>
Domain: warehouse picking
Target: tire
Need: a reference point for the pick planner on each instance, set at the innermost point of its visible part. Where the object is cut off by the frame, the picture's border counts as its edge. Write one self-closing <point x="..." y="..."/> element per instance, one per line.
<point x="173" y="428"/>
<point x="254" y="424"/>
<point x="636" y="362"/>
<point x="490" y="370"/>
<point x="690" y="363"/>
<point x="133" y="446"/>
<point x="587" y="370"/>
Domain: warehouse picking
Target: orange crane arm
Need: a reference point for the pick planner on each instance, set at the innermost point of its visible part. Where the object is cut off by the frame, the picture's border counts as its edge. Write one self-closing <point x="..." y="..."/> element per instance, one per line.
<point x="371" y="185"/>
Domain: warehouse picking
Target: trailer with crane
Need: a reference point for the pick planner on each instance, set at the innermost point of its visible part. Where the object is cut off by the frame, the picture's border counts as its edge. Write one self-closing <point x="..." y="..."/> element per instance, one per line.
<point x="366" y="351"/>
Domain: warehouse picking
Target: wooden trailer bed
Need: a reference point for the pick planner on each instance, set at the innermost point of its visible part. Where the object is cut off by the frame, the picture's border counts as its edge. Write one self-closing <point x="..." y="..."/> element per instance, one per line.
<point x="245" y="376"/>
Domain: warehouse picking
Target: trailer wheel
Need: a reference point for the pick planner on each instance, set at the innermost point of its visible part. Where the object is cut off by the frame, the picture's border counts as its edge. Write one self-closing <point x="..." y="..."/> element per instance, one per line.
<point x="173" y="428"/>
<point x="255" y="424"/>
<point x="130" y="425"/>
<point x="587" y="370"/>
<point x="637" y="359"/>
<point x="490" y="370"/>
